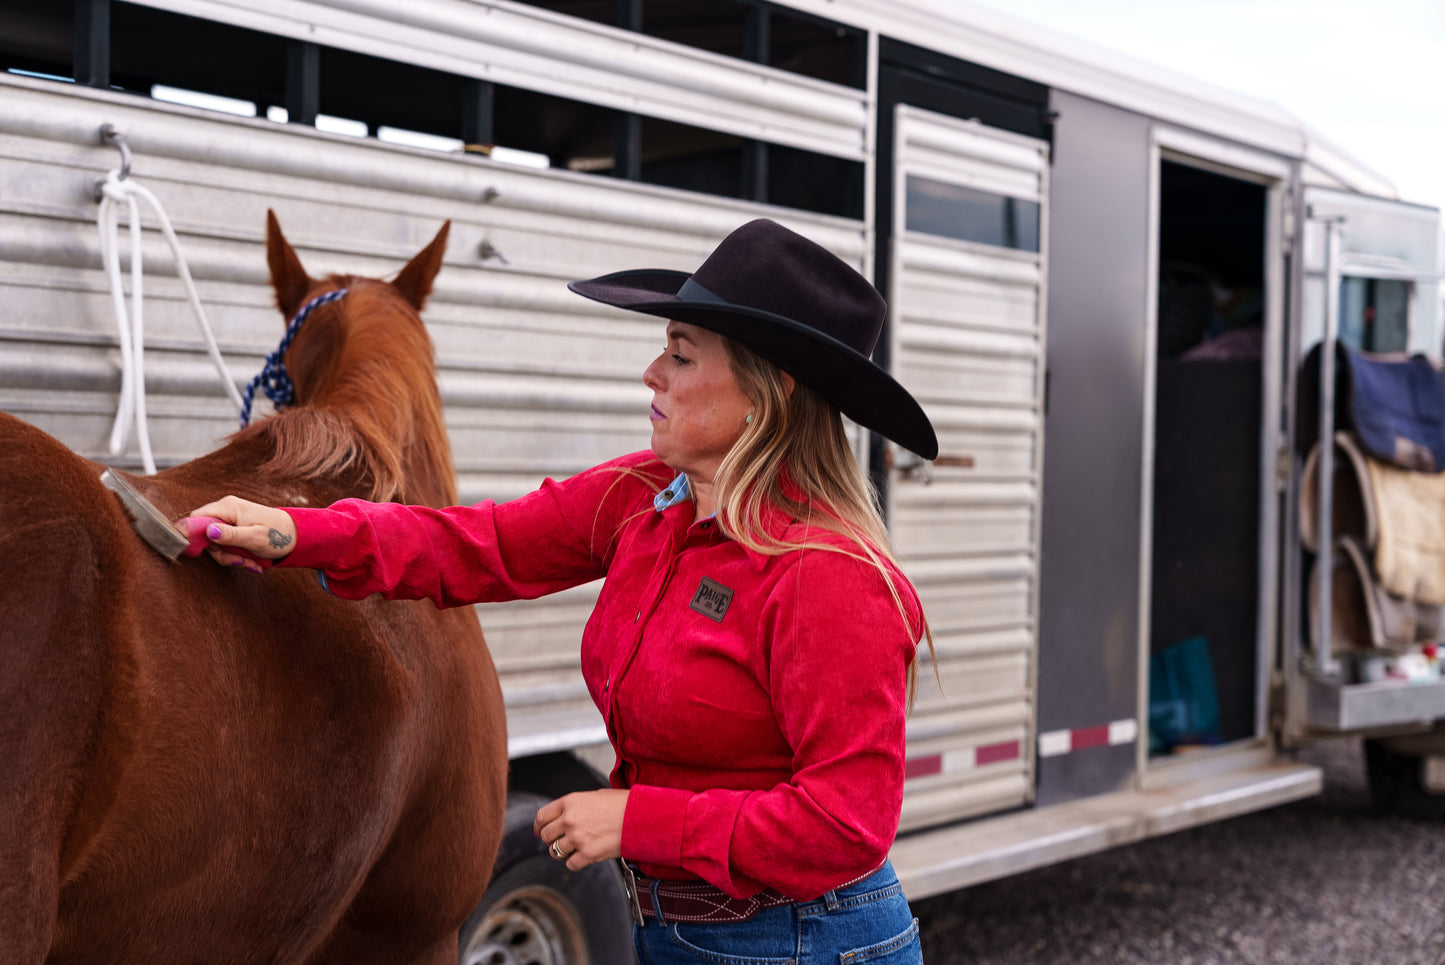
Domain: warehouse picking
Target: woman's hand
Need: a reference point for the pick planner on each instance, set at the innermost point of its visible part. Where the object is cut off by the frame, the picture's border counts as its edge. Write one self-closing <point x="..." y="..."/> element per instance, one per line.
<point x="259" y="530"/>
<point x="584" y="828"/>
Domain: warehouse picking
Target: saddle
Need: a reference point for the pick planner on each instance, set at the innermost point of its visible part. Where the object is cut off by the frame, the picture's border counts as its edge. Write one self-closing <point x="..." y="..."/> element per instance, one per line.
<point x="1388" y="548"/>
<point x="1387" y="520"/>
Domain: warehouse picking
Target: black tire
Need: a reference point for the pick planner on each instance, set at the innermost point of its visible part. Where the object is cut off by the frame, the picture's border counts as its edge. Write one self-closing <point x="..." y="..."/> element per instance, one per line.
<point x="1396" y="787"/>
<point x="537" y="912"/>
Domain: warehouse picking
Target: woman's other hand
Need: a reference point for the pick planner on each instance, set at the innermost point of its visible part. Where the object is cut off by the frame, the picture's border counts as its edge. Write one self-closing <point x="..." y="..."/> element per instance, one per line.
<point x="583" y="828"/>
<point x="262" y="531"/>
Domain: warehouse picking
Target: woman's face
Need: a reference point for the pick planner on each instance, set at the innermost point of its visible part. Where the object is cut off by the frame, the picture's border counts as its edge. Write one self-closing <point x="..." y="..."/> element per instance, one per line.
<point x="698" y="410"/>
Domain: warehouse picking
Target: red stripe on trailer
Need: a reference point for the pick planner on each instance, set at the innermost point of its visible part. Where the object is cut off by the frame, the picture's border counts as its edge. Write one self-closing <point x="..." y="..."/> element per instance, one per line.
<point x="962" y="759"/>
<point x="1056" y="742"/>
<point x="922" y="766"/>
<point x="992" y="753"/>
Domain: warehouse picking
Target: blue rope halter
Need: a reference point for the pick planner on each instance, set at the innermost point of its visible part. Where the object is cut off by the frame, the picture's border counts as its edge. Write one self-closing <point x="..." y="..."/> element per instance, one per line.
<point x="273" y="379"/>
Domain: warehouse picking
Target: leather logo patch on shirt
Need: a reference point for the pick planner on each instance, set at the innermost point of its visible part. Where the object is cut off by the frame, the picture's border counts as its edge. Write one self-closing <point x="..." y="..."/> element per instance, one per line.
<point x="711" y="599"/>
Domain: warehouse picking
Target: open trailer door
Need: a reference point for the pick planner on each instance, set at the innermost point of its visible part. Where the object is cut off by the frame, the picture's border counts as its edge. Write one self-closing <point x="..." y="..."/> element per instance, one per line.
<point x="1369" y="282"/>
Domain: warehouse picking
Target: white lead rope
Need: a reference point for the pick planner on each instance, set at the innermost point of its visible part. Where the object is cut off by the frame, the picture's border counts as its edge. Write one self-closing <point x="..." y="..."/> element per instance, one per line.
<point x="117" y="190"/>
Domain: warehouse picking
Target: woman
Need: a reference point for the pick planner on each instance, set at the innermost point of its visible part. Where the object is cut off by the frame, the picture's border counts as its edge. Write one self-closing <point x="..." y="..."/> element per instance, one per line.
<point x="753" y="648"/>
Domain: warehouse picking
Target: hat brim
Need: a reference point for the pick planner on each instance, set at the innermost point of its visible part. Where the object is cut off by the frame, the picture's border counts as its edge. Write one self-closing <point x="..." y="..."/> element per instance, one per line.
<point x="849" y="380"/>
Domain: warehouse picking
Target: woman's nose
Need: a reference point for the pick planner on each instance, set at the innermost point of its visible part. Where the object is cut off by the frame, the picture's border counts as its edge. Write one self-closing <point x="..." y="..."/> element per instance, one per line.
<point x="650" y="375"/>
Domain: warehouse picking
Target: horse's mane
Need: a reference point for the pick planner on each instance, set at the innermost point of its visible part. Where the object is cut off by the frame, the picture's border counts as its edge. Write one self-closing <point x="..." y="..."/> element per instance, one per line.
<point x="367" y="412"/>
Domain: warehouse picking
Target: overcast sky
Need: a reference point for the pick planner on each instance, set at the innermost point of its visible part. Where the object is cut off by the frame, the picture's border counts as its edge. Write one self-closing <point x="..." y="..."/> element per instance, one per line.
<point x="1369" y="75"/>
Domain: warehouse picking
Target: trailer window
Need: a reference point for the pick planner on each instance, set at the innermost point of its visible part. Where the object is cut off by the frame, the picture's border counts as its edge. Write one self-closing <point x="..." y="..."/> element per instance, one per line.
<point x="171" y="56"/>
<point x="745" y="29"/>
<point x="954" y="211"/>
<point x="1375" y="314"/>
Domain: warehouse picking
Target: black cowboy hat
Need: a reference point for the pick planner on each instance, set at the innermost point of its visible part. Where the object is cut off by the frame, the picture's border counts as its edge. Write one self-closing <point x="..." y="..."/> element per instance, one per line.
<point x="797" y="305"/>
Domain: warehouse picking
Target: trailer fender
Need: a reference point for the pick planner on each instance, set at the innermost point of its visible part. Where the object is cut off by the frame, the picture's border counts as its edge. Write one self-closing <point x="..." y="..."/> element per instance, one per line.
<point x="537" y="910"/>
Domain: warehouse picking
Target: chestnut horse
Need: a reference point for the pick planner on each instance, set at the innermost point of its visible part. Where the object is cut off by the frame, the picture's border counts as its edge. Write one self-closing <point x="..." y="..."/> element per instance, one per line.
<point x="200" y="764"/>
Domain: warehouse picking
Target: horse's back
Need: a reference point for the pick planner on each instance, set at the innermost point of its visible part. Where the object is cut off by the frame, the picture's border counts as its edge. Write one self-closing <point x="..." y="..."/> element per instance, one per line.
<point x="40" y="477"/>
<point x="215" y="766"/>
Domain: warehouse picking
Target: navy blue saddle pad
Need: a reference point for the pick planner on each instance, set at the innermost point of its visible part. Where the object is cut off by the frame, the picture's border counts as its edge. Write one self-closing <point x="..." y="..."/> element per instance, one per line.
<point x="1395" y="403"/>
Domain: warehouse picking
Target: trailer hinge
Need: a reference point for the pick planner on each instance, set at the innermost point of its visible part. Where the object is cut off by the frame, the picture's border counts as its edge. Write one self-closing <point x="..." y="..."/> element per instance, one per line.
<point x="1287" y="222"/>
<point x="1276" y="702"/>
<point x="1283" y="466"/>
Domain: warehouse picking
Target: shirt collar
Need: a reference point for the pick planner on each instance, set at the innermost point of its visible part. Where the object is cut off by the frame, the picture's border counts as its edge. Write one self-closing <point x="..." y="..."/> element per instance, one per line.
<point x="677" y="491"/>
<point x="775" y="521"/>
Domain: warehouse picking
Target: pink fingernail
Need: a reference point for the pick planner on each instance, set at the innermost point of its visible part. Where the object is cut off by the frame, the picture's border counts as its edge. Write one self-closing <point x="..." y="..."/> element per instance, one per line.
<point x="213" y="531"/>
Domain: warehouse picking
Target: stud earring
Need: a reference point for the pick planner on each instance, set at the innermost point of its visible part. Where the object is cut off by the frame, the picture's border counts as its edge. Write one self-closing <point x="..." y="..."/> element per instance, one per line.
<point x="749" y="419"/>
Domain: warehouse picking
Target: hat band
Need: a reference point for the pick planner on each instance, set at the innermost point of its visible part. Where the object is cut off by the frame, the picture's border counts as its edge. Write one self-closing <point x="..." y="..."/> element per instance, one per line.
<point x="691" y="291"/>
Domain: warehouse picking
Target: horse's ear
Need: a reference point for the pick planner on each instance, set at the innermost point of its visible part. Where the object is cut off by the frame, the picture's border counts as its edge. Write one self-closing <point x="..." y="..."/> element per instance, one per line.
<point x="414" y="281"/>
<point x="288" y="278"/>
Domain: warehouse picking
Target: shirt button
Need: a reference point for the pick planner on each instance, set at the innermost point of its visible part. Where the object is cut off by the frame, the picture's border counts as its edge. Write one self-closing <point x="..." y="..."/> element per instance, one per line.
<point x="638" y="617"/>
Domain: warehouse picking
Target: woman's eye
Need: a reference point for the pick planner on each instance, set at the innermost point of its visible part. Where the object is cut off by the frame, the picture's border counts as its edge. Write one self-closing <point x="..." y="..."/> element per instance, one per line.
<point x="678" y="358"/>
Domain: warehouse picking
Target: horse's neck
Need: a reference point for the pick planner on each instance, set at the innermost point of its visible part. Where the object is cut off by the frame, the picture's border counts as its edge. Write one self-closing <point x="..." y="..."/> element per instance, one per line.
<point x="382" y="404"/>
<point x="245" y="467"/>
<point x="371" y="421"/>
<point x="303" y="457"/>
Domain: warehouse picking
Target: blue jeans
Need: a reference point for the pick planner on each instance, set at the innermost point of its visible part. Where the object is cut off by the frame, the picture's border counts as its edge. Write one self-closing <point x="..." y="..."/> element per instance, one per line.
<point x="868" y="921"/>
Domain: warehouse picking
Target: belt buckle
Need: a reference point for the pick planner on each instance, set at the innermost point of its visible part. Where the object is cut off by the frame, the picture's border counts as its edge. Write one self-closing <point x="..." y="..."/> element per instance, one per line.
<point x="629" y="884"/>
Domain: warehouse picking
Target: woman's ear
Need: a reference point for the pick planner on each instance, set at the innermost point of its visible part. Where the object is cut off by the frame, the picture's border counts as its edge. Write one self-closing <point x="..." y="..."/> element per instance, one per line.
<point x="788" y="383"/>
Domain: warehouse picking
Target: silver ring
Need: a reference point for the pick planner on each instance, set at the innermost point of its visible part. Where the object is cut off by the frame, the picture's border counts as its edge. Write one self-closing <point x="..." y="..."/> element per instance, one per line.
<point x="556" y="851"/>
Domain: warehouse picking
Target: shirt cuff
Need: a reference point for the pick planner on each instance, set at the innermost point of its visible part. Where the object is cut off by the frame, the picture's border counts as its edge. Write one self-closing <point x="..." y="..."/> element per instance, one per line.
<point x="316" y="546"/>
<point x="652" y="825"/>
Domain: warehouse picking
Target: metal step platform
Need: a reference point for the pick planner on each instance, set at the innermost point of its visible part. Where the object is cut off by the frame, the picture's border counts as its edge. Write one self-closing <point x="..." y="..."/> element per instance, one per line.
<point x="935" y="861"/>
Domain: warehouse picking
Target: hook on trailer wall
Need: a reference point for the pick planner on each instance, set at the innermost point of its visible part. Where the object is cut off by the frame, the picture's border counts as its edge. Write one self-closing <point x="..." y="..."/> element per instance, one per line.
<point x="111" y="135"/>
<point x="113" y="191"/>
<point x="487" y="251"/>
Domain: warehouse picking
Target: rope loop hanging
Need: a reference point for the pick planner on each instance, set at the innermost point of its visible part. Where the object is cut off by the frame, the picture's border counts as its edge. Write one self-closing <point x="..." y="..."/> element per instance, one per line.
<point x="116" y="191"/>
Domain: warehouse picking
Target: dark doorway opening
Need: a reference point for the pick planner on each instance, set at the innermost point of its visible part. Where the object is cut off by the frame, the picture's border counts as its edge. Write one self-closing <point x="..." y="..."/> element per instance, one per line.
<point x="1204" y="613"/>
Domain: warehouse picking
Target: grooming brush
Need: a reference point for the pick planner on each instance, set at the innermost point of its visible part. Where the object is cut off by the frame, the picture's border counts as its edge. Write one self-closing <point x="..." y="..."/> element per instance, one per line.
<point x="159" y="532"/>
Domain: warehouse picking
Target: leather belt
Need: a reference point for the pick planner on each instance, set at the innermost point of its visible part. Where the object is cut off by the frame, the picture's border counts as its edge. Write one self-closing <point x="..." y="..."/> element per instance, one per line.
<point x="692" y="901"/>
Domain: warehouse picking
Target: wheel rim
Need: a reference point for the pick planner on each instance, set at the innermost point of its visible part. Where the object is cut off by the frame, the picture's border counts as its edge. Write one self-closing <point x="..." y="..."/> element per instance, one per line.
<point x="530" y="926"/>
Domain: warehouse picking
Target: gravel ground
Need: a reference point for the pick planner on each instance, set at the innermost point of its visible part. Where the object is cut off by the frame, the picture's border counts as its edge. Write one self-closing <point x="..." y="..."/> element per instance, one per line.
<point x="1323" y="881"/>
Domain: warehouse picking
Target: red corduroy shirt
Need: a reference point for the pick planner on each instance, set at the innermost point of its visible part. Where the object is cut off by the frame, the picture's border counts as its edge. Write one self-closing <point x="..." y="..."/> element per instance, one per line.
<point x="756" y="702"/>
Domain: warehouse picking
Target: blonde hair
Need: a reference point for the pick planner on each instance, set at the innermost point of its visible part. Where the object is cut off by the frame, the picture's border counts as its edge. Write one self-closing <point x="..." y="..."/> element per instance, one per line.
<point x="799" y="432"/>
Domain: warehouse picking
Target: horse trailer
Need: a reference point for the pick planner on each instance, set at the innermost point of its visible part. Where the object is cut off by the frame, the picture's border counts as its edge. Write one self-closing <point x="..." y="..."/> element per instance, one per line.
<point x="1104" y="283"/>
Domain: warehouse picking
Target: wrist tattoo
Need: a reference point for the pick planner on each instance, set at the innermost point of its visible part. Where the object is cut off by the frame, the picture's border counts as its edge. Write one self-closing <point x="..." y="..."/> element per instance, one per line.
<point x="279" y="540"/>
